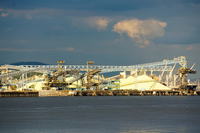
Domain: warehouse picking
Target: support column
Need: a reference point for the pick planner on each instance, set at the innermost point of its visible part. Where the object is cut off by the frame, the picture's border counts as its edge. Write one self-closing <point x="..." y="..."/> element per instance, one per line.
<point x="167" y="80"/>
<point x="136" y="81"/>
<point x="98" y="75"/>
<point x="159" y="78"/>
<point x="26" y="81"/>
<point x="124" y="74"/>
<point x="22" y="81"/>
<point x="151" y="72"/>
<point x="175" y="77"/>
<point x="77" y="80"/>
<point x="132" y="72"/>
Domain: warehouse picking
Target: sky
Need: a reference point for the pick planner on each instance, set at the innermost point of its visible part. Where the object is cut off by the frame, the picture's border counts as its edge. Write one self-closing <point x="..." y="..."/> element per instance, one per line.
<point x="108" y="32"/>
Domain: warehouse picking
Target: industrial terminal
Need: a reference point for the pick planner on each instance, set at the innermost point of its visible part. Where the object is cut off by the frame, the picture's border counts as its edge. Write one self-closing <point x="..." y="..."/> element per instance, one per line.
<point x="156" y="78"/>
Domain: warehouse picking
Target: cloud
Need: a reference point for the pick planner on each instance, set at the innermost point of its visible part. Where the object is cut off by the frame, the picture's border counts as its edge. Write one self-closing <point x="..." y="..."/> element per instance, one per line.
<point x="4" y="14"/>
<point x="61" y="49"/>
<point x="193" y="47"/>
<point x="98" y="22"/>
<point x="29" y="14"/>
<point x="21" y="41"/>
<point x="17" y="50"/>
<point x="140" y="31"/>
<point x="68" y="49"/>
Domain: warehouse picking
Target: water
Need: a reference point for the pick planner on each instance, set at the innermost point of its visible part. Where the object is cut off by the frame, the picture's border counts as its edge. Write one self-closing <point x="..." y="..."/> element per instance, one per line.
<point x="111" y="114"/>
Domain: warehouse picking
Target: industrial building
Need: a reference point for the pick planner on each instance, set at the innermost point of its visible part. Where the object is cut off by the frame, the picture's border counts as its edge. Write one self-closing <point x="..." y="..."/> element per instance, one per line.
<point x="142" y="77"/>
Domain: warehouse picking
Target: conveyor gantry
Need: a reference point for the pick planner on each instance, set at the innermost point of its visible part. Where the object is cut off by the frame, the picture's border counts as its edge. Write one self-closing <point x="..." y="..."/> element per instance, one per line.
<point x="159" y="66"/>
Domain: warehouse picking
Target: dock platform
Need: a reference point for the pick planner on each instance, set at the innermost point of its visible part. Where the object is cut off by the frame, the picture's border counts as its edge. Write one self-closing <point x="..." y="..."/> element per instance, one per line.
<point x="132" y="93"/>
<point x="95" y="93"/>
<point x="19" y="94"/>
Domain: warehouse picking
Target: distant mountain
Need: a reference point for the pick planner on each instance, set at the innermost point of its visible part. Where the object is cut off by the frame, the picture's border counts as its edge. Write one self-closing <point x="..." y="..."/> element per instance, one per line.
<point x="28" y="63"/>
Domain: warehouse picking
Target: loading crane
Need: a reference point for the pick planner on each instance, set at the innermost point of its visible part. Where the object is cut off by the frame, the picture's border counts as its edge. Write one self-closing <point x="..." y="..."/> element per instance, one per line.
<point x="89" y="80"/>
<point x="183" y="72"/>
<point x="58" y="78"/>
<point x="92" y="70"/>
<point x="59" y="64"/>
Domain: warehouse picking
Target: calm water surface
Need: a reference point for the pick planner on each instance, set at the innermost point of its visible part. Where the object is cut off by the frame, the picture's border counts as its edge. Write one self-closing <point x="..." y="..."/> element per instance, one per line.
<point x="114" y="114"/>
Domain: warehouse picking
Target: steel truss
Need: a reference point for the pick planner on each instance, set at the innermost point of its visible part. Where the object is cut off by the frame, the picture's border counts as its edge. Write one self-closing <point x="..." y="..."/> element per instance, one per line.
<point x="155" y="66"/>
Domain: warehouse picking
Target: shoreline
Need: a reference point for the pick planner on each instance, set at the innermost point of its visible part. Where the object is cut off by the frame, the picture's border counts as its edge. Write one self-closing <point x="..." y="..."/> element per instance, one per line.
<point x="50" y="93"/>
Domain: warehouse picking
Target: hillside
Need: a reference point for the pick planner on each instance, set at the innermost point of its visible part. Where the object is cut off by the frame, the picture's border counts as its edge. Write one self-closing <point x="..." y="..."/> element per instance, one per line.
<point x="28" y="63"/>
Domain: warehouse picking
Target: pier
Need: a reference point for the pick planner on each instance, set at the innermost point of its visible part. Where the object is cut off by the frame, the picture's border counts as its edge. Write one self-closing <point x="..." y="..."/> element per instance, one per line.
<point x="19" y="94"/>
<point x="96" y="93"/>
<point x="149" y="79"/>
<point x="118" y="93"/>
<point x="132" y="93"/>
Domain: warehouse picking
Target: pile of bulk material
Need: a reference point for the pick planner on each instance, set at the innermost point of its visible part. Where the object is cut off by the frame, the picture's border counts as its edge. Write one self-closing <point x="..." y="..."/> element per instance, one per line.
<point x="142" y="83"/>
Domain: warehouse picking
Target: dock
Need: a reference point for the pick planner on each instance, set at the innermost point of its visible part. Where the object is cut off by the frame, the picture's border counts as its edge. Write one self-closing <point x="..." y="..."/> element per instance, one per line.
<point x="96" y="93"/>
<point x="19" y="94"/>
<point x="132" y="93"/>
